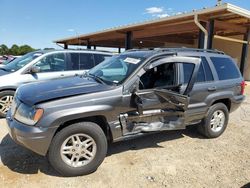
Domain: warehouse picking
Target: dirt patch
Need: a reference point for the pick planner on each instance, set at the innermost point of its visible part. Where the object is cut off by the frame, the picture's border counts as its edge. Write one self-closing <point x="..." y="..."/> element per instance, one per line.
<point x="168" y="159"/>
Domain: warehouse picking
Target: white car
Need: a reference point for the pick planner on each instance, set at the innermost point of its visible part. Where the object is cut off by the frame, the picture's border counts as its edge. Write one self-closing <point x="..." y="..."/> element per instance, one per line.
<point x="44" y="65"/>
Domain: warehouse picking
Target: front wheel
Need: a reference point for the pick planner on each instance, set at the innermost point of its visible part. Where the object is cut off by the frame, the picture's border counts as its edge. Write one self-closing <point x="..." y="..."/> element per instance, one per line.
<point x="6" y="98"/>
<point x="216" y="121"/>
<point x="78" y="149"/>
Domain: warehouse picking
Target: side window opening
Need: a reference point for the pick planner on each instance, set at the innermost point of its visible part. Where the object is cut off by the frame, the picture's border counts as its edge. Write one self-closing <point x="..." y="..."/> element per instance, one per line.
<point x="52" y="63"/>
<point x="187" y="71"/>
<point x="81" y="61"/>
<point x="162" y="76"/>
<point x="74" y="61"/>
<point x="201" y="74"/>
<point x="204" y="73"/>
<point x="100" y="58"/>
<point x="207" y="70"/>
<point x="86" y="61"/>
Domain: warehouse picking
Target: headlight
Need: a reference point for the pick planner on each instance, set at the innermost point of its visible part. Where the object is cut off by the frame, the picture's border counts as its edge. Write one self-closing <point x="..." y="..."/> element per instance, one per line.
<point x="28" y="114"/>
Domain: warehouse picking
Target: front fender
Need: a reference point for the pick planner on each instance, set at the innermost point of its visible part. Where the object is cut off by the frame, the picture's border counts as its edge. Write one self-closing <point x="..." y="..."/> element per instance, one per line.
<point x="57" y="118"/>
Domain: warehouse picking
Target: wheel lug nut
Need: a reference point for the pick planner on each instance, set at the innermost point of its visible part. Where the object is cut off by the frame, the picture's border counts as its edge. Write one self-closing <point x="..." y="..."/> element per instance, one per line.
<point x="77" y="154"/>
<point x="77" y="145"/>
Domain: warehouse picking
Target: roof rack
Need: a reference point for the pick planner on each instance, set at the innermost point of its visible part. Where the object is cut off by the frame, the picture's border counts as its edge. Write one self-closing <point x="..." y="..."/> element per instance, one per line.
<point x="179" y="49"/>
<point x="190" y="49"/>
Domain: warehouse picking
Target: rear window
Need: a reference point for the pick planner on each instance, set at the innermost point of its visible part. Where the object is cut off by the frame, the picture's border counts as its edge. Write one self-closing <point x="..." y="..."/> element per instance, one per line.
<point x="225" y="68"/>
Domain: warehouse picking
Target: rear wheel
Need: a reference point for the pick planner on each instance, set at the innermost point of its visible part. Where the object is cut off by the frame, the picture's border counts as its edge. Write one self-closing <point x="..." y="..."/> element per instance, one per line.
<point x="78" y="149"/>
<point x="216" y="121"/>
<point x="6" y="98"/>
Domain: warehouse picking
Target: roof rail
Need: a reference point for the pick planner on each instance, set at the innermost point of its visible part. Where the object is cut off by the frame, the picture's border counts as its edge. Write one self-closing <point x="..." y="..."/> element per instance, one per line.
<point x="178" y="49"/>
<point x="191" y="49"/>
<point x="93" y="50"/>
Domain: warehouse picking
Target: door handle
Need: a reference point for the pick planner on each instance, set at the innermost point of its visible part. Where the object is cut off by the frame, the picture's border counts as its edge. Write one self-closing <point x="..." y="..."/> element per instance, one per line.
<point x="211" y="88"/>
<point x="62" y="74"/>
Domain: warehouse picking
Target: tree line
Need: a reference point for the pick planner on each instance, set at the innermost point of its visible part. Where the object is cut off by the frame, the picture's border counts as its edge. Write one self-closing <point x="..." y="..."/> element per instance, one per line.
<point x="15" y="49"/>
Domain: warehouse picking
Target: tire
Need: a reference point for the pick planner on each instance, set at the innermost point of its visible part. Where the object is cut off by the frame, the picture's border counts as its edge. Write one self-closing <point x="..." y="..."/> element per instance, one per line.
<point x="6" y="98"/>
<point x="211" y="127"/>
<point x="84" y="130"/>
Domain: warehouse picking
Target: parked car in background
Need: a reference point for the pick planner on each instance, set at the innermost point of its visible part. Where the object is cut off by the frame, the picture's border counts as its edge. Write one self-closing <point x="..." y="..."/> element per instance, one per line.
<point x="9" y="60"/>
<point x="44" y="65"/>
<point x="135" y="93"/>
<point x="2" y="59"/>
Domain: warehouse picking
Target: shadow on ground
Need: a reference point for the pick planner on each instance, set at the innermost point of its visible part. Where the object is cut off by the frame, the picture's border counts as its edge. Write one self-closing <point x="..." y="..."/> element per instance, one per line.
<point x="21" y="160"/>
<point x="246" y="186"/>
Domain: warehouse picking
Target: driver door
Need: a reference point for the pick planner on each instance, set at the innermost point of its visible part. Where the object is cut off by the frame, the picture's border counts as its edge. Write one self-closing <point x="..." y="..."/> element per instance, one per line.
<point x="160" y="107"/>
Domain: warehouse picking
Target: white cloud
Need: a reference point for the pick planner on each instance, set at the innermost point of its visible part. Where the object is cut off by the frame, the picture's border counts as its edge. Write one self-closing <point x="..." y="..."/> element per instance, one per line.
<point x="71" y="30"/>
<point x="162" y="15"/>
<point x="161" y="12"/>
<point x="154" y="10"/>
<point x="178" y="13"/>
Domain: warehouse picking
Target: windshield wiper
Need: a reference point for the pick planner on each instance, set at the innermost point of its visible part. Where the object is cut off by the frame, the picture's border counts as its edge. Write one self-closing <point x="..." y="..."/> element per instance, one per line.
<point x="98" y="79"/>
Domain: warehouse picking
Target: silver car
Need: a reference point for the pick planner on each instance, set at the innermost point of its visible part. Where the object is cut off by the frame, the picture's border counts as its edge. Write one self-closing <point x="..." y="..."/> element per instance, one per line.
<point x="44" y="65"/>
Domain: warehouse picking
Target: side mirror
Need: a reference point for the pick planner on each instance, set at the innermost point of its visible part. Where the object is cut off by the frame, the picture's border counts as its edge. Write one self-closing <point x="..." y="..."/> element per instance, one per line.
<point x="35" y="69"/>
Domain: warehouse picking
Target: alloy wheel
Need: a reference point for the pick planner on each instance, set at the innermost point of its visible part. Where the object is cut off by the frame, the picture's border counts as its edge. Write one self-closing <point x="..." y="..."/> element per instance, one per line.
<point x="5" y="103"/>
<point x="217" y="121"/>
<point x="78" y="150"/>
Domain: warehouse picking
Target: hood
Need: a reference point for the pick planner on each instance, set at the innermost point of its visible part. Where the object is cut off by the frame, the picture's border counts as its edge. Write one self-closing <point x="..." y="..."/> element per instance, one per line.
<point x="38" y="92"/>
<point x="2" y="72"/>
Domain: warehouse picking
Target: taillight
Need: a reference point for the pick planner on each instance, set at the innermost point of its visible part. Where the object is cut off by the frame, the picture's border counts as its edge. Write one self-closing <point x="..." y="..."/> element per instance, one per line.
<point x="242" y="85"/>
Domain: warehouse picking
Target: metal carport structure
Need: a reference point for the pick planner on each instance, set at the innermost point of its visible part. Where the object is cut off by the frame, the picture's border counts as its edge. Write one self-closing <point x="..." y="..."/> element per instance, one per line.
<point x="199" y="28"/>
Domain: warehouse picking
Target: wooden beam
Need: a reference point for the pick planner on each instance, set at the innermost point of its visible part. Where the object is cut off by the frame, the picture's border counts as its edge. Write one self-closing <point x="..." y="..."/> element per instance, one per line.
<point x="229" y="26"/>
<point x="230" y="39"/>
<point x="172" y="39"/>
<point x="180" y="29"/>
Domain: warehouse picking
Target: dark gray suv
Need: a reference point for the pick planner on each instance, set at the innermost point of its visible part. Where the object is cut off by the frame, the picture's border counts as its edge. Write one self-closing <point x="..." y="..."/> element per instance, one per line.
<point x="135" y="93"/>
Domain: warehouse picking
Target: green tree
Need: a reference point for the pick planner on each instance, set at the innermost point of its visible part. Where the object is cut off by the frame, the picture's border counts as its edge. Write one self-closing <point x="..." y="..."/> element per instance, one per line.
<point x="25" y="49"/>
<point x="14" y="50"/>
<point x="4" y="50"/>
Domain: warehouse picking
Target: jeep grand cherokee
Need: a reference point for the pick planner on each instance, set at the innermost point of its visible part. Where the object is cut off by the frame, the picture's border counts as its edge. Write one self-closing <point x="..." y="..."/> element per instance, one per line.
<point x="135" y="93"/>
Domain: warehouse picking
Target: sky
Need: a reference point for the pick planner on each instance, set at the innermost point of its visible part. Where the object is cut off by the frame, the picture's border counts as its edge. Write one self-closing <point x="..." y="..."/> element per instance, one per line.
<point x="38" y="23"/>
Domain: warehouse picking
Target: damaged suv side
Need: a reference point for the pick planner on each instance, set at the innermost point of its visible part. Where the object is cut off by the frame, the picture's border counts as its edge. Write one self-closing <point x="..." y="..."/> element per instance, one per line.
<point x="137" y="92"/>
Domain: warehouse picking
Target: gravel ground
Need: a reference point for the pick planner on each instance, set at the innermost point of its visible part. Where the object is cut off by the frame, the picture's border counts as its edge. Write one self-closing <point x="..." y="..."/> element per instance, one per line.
<point x="167" y="159"/>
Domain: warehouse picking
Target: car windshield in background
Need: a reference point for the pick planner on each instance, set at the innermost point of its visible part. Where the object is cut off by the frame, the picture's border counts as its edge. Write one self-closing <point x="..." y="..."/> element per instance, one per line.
<point x="20" y="62"/>
<point x="116" y="69"/>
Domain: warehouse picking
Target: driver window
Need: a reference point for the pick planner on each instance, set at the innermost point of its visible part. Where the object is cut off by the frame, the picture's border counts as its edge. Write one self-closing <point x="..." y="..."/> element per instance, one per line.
<point x="52" y="63"/>
<point x="162" y="76"/>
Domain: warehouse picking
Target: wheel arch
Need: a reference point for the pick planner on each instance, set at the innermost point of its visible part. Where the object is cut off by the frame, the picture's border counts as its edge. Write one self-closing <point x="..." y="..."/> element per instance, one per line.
<point x="225" y="101"/>
<point x="8" y="89"/>
<point x="100" y="120"/>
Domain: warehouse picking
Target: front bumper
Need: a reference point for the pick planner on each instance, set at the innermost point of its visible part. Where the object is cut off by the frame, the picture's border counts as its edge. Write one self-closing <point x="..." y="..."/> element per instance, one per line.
<point x="35" y="138"/>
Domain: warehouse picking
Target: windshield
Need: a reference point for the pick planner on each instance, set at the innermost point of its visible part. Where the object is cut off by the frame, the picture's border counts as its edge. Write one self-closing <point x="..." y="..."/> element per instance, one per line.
<point x="8" y="61"/>
<point x="116" y="69"/>
<point x="20" y="62"/>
